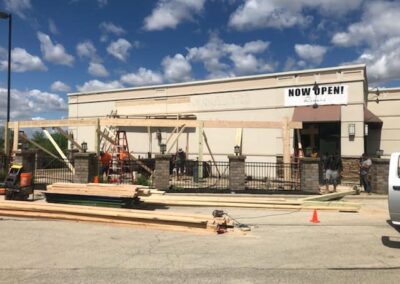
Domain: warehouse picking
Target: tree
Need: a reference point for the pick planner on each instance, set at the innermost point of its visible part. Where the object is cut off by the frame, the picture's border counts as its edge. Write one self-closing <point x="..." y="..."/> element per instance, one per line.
<point x="42" y="140"/>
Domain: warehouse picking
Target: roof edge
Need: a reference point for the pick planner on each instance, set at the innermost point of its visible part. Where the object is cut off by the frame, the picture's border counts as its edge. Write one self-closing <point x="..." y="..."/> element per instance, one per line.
<point x="221" y="80"/>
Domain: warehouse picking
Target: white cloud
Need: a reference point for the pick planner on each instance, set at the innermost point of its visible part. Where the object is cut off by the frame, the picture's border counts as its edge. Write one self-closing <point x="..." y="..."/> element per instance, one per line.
<point x="380" y="22"/>
<point x="97" y="69"/>
<point x="218" y="57"/>
<point x="96" y="85"/>
<point x="59" y="86"/>
<point x="142" y="77"/>
<point x="253" y="14"/>
<point x="170" y="13"/>
<point x="21" y="61"/>
<point x="110" y="28"/>
<point x="383" y="61"/>
<point x="31" y="103"/>
<point x="52" y="27"/>
<point x="18" y="7"/>
<point x="120" y="49"/>
<point x="54" y="53"/>
<point x="177" y="68"/>
<point x="86" y="49"/>
<point x="311" y="53"/>
<point x="102" y="3"/>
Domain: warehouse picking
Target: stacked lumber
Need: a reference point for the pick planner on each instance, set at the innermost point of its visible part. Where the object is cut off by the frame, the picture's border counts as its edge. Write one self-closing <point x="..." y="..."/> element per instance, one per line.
<point x="99" y="189"/>
<point x="148" y="219"/>
<point x="320" y="202"/>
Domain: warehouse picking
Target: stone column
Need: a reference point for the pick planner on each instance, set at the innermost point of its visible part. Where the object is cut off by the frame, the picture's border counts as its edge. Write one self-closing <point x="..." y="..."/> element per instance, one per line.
<point x="237" y="174"/>
<point x="161" y="172"/>
<point x="309" y="173"/>
<point x="379" y="176"/>
<point x="26" y="158"/>
<point x="85" y="167"/>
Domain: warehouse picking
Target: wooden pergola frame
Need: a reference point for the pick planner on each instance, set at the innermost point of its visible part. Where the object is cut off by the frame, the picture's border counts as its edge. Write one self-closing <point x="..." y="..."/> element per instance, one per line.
<point x="285" y="125"/>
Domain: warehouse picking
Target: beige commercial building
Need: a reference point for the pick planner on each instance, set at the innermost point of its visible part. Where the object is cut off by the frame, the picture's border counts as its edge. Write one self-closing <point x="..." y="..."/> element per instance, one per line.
<point x="338" y="110"/>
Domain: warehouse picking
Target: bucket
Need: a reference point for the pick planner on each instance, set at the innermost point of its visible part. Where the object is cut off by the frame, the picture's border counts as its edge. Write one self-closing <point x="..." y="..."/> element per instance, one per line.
<point x="25" y="179"/>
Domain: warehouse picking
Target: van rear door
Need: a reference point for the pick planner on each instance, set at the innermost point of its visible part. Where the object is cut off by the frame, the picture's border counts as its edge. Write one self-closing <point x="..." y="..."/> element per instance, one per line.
<point x="394" y="188"/>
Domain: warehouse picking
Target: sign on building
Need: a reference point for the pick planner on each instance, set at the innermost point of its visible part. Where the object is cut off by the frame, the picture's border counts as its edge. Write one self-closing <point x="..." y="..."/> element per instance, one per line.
<point x="322" y="95"/>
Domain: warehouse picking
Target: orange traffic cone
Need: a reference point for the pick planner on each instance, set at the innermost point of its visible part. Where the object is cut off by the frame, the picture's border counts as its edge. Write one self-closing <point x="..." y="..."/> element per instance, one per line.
<point x="314" y="217"/>
<point x="96" y="179"/>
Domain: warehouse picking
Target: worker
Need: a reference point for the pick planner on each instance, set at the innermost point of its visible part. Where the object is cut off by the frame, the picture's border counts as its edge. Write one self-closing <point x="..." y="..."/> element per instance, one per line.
<point x="333" y="166"/>
<point x="105" y="160"/>
<point x="180" y="162"/>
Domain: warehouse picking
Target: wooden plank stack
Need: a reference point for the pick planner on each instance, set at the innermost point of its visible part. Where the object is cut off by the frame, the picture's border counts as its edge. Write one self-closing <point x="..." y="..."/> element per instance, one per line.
<point x="148" y="219"/>
<point x="320" y="202"/>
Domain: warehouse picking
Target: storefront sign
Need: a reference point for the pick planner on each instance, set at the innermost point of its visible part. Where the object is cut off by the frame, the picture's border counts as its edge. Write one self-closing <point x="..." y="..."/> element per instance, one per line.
<point x="322" y="95"/>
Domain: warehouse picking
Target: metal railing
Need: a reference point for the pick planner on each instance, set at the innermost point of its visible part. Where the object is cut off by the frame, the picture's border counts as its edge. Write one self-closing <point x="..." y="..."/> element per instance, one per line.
<point x="49" y="170"/>
<point x="272" y="176"/>
<point x="200" y="175"/>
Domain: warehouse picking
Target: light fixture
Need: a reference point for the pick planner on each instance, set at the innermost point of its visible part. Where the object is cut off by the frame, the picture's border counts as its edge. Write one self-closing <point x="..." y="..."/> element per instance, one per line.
<point x="158" y="136"/>
<point x="236" y="149"/>
<point x="315" y="89"/>
<point x="366" y="129"/>
<point x="84" y="146"/>
<point x="379" y="153"/>
<point x="352" y="129"/>
<point x="163" y="148"/>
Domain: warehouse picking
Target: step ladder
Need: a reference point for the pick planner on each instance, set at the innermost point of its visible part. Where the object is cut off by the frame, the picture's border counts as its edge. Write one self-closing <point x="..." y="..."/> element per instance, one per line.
<point x="105" y="145"/>
<point x="121" y="168"/>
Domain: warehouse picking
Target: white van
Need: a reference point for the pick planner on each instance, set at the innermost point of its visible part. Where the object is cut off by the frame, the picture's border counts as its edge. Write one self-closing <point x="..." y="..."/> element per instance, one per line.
<point x="394" y="188"/>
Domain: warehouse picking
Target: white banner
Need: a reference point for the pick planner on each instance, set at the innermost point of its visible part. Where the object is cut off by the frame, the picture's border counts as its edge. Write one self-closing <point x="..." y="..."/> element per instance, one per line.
<point x="323" y="95"/>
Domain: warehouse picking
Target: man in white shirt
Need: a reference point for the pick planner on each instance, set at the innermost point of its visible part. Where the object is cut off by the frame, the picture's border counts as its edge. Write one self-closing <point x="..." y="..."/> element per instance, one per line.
<point x="365" y="166"/>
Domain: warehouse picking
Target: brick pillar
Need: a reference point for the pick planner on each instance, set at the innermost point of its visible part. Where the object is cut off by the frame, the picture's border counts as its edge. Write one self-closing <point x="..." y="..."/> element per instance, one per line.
<point x="379" y="176"/>
<point x="26" y="158"/>
<point x="237" y="174"/>
<point x="85" y="167"/>
<point x="309" y="172"/>
<point x="161" y="172"/>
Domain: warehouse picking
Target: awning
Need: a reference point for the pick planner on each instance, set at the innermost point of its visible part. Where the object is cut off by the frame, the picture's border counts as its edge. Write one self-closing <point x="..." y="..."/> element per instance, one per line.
<point x="370" y="118"/>
<point x="320" y="114"/>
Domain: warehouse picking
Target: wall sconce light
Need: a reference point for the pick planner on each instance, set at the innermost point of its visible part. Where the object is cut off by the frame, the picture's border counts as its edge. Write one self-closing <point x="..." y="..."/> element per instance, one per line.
<point x="84" y="146"/>
<point x="379" y="153"/>
<point x="366" y="129"/>
<point x="315" y="89"/>
<point x="352" y="129"/>
<point x="163" y="148"/>
<point x="158" y="136"/>
<point x="236" y="149"/>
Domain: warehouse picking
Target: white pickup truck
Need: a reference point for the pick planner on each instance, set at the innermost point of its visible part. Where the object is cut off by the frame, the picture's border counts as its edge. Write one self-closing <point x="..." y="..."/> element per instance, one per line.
<point x="394" y="188"/>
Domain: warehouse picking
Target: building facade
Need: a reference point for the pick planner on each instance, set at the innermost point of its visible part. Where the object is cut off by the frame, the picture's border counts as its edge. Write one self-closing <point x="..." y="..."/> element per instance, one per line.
<point x="339" y="113"/>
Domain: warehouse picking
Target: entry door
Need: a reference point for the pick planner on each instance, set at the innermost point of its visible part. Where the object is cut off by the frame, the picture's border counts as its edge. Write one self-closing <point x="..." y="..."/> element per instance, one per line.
<point x="394" y="188"/>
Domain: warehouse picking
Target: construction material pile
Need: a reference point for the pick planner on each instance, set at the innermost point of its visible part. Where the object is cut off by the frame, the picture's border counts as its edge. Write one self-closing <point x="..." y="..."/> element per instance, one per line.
<point x="148" y="219"/>
<point x="319" y="202"/>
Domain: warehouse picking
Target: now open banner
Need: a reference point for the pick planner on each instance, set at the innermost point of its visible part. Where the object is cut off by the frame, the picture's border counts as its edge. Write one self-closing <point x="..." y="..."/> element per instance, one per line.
<point x="321" y="95"/>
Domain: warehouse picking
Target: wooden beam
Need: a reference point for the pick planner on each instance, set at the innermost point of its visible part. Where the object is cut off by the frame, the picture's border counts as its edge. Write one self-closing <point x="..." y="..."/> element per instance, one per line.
<point x="70" y="166"/>
<point x="176" y="138"/>
<point x="16" y="135"/>
<point x="23" y="136"/>
<point x="200" y="127"/>
<point x="69" y="137"/>
<point x="211" y="154"/>
<point x="172" y="134"/>
<point x="97" y="140"/>
<point x="154" y="123"/>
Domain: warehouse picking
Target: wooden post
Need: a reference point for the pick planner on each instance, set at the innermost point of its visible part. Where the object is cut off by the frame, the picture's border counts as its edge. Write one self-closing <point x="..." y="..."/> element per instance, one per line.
<point x="286" y="149"/>
<point x="211" y="154"/>
<point x="200" y="127"/>
<point x="97" y="137"/>
<point x="15" y="140"/>
<point x="150" y="139"/>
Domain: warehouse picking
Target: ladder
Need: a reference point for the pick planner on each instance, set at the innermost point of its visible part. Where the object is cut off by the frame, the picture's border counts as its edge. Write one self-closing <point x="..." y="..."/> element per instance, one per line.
<point x="110" y="131"/>
<point x="121" y="170"/>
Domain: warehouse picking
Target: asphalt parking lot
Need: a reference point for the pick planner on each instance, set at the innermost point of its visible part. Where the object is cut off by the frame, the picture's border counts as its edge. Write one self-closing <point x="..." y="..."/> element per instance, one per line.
<point x="282" y="247"/>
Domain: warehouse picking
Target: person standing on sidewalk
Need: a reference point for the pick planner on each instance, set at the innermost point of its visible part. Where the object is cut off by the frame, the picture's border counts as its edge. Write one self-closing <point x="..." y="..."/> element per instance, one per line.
<point x="333" y="170"/>
<point x="365" y="166"/>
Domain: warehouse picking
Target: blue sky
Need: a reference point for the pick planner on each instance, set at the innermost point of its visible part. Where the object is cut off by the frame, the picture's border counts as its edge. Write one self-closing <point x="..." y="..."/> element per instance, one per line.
<point x="63" y="46"/>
